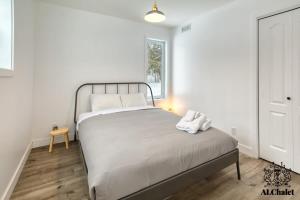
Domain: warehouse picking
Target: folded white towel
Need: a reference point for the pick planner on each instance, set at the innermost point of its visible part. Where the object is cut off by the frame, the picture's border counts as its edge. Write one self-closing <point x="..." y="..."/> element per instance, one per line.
<point x="189" y="116"/>
<point x="198" y="114"/>
<point x="193" y="126"/>
<point x="206" y="125"/>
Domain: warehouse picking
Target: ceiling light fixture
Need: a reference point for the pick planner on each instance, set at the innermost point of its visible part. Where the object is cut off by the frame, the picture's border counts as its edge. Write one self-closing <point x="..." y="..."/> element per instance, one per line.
<point x="155" y="16"/>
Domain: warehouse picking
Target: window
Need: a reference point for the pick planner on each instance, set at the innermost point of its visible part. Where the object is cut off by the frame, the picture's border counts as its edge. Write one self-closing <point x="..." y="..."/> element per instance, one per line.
<point x="156" y="66"/>
<point x="6" y="36"/>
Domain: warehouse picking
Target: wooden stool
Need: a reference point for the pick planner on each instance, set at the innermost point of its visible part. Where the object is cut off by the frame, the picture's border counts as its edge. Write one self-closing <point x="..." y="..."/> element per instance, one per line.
<point x="60" y="131"/>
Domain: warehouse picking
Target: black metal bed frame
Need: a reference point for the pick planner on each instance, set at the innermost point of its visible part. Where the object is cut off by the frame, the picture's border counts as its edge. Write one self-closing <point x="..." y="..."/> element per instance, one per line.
<point x="173" y="184"/>
<point x="92" y="85"/>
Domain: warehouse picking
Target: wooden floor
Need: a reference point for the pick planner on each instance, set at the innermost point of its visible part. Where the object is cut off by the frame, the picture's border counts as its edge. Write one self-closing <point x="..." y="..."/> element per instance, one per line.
<point x="60" y="175"/>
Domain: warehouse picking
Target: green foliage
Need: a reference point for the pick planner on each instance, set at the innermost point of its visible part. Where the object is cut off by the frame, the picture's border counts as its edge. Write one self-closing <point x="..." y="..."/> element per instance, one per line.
<point x="155" y="52"/>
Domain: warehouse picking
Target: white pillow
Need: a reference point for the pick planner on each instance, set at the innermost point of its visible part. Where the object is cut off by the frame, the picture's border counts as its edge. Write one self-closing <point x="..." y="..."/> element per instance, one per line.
<point x="130" y="100"/>
<point x="105" y="101"/>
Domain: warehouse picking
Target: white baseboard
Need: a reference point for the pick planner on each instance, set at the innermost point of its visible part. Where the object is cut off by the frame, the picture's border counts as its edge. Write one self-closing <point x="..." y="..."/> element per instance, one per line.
<point x="13" y="181"/>
<point x="40" y="142"/>
<point x="248" y="150"/>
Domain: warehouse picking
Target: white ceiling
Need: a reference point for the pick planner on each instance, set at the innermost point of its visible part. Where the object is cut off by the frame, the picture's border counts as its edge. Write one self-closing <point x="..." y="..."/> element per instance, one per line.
<point x="176" y="11"/>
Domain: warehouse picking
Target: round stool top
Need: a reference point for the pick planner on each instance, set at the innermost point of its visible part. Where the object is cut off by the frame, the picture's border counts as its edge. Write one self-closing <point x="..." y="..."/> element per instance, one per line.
<point x="59" y="131"/>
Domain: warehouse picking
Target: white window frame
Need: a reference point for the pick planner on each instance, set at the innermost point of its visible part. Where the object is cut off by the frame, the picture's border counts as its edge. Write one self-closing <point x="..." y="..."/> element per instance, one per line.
<point x="163" y="71"/>
<point x="10" y="72"/>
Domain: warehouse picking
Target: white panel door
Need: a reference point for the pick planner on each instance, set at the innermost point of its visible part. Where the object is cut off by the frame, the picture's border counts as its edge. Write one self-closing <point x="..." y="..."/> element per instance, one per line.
<point x="275" y="88"/>
<point x="296" y="88"/>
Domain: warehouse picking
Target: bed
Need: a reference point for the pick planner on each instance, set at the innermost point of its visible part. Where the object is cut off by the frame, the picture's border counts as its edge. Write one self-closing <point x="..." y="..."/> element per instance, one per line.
<point x="137" y="153"/>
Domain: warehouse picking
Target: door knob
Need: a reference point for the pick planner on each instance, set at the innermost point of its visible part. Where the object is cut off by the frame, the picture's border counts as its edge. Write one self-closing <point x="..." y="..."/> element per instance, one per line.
<point x="289" y="98"/>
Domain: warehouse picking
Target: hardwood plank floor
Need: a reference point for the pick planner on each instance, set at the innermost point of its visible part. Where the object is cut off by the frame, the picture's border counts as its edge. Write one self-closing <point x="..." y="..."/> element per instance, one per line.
<point x="60" y="175"/>
<point x="56" y="175"/>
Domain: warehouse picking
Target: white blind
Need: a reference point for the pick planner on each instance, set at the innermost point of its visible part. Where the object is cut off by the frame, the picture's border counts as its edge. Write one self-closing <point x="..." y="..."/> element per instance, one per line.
<point x="6" y="25"/>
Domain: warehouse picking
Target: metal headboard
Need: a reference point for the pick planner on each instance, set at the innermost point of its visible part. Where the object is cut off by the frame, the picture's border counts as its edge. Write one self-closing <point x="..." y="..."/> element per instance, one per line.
<point x="105" y="91"/>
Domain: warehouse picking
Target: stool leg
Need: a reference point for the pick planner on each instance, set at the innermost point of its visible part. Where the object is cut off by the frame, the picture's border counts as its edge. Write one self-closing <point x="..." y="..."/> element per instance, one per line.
<point x="68" y="137"/>
<point x="51" y="144"/>
<point x="67" y="140"/>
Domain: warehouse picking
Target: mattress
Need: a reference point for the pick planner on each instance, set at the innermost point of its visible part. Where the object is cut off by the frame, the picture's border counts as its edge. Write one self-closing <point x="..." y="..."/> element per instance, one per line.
<point x="131" y="150"/>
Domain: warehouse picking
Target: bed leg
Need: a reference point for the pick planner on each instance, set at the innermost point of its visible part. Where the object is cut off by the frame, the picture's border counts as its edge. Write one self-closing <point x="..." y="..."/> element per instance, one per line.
<point x="75" y="138"/>
<point x="94" y="190"/>
<point x="238" y="169"/>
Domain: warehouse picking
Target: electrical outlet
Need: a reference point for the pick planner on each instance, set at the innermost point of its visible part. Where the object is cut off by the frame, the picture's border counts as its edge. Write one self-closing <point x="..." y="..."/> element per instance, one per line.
<point x="233" y="131"/>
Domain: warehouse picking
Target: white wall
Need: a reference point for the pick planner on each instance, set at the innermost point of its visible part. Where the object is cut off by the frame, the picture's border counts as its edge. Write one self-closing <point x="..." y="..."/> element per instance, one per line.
<point x="74" y="47"/>
<point x="16" y="96"/>
<point x="214" y="67"/>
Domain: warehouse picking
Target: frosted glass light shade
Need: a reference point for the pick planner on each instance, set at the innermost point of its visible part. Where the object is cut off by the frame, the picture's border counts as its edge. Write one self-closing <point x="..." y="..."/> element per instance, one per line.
<point x="155" y="16"/>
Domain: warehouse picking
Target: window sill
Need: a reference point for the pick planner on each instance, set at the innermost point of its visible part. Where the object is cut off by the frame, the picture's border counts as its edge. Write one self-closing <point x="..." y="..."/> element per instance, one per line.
<point x="157" y="99"/>
<point x="6" y="73"/>
<point x="160" y="99"/>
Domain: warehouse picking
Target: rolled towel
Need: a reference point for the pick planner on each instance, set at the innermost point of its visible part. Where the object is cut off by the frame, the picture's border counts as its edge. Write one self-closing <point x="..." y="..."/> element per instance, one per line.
<point x="198" y="114"/>
<point x="189" y="116"/>
<point x="193" y="126"/>
<point x="185" y="121"/>
<point x="196" y="124"/>
<point x="181" y="124"/>
<point x="206" y="125"/>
